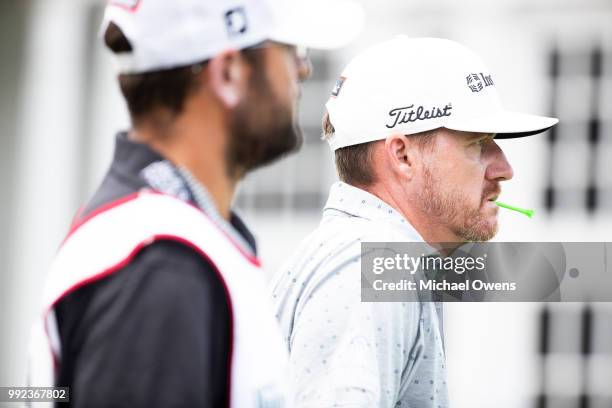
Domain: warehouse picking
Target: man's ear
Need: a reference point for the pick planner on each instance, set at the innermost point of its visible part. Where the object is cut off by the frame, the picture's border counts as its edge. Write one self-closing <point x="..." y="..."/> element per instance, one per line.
<point x="228" y="76"/>
<point x="401" y="156"/>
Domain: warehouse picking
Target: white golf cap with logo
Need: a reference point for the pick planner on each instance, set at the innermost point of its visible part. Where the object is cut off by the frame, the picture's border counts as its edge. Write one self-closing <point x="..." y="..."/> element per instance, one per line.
<point x="165" y="34"/>
<point x="411" y="85"/>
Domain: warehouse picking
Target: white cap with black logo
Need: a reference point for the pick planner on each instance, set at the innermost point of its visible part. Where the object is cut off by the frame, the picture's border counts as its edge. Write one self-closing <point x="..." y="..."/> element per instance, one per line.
<point x="411" y="85"/>
<point x="166" y="34"/>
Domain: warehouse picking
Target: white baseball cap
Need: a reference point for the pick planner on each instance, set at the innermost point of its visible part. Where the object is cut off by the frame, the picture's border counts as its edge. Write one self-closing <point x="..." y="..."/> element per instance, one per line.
<point x="411" y="85"/>
<point x="172" y="33"/>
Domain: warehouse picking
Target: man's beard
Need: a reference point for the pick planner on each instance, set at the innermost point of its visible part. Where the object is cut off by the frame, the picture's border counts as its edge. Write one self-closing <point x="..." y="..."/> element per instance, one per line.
<point x="262" y="129"/>
<point x="452" y="208"/>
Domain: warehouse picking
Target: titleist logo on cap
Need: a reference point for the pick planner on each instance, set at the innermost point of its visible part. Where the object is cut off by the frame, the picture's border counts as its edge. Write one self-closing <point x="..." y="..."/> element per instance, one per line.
<point x="408" y="114"/>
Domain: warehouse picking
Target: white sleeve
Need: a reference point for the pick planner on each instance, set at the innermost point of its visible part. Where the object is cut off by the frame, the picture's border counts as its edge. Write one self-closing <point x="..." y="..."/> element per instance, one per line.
<point x="345" y="353"/>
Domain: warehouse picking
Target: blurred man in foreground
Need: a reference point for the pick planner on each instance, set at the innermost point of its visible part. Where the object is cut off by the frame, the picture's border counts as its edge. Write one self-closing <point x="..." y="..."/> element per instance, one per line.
<point x="413" y="124"/>
<point x="156" y="297"/>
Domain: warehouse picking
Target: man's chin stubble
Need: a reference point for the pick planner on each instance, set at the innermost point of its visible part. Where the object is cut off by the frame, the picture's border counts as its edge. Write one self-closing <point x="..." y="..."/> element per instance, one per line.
<point x="477" y="228"/>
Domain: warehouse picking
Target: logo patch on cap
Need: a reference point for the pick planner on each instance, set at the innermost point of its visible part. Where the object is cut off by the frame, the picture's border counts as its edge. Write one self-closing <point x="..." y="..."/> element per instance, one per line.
<point x="477" y="82"/>
<point x="130" y="5"/>
<point x="338" y="87"/>
<point x="236" y="21"/>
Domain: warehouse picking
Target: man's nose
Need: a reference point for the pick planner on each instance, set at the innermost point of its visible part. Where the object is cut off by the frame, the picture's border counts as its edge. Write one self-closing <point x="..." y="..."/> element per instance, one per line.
<point x="304" y="65"/>
<point x="499" y="168"/>
<point x="304" y="70"/>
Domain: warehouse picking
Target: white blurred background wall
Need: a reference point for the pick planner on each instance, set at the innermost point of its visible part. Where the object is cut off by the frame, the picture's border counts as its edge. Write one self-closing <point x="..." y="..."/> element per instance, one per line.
<point x="60" y="108"/>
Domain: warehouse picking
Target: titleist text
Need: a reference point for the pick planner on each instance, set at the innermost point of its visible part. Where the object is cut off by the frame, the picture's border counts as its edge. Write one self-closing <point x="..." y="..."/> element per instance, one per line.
<point x="409" y="114"/>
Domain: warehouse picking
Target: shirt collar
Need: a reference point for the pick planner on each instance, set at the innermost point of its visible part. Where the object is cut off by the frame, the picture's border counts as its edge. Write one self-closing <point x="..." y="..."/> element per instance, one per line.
<point x="140" y="162"/>
<point x="356" y="202"/>
<point x="131" y="157"/>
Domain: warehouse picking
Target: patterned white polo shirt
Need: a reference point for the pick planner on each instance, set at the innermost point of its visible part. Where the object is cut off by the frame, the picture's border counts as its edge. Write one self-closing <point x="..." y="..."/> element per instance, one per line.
<point x="348" y="353"/>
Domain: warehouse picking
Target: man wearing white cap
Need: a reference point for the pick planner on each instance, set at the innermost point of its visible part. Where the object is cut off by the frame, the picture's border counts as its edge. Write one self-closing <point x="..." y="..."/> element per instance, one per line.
<point x="156" y="297"/>
<point x="413" y="124"/>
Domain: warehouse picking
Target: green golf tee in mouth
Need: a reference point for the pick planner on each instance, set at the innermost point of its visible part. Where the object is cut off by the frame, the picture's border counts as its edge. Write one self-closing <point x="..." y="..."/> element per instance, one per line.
<point x="528" y="213"/>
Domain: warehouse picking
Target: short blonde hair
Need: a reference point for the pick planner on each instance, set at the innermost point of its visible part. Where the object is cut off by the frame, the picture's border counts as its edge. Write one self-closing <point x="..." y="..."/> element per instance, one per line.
<point x="354" y="164"/>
